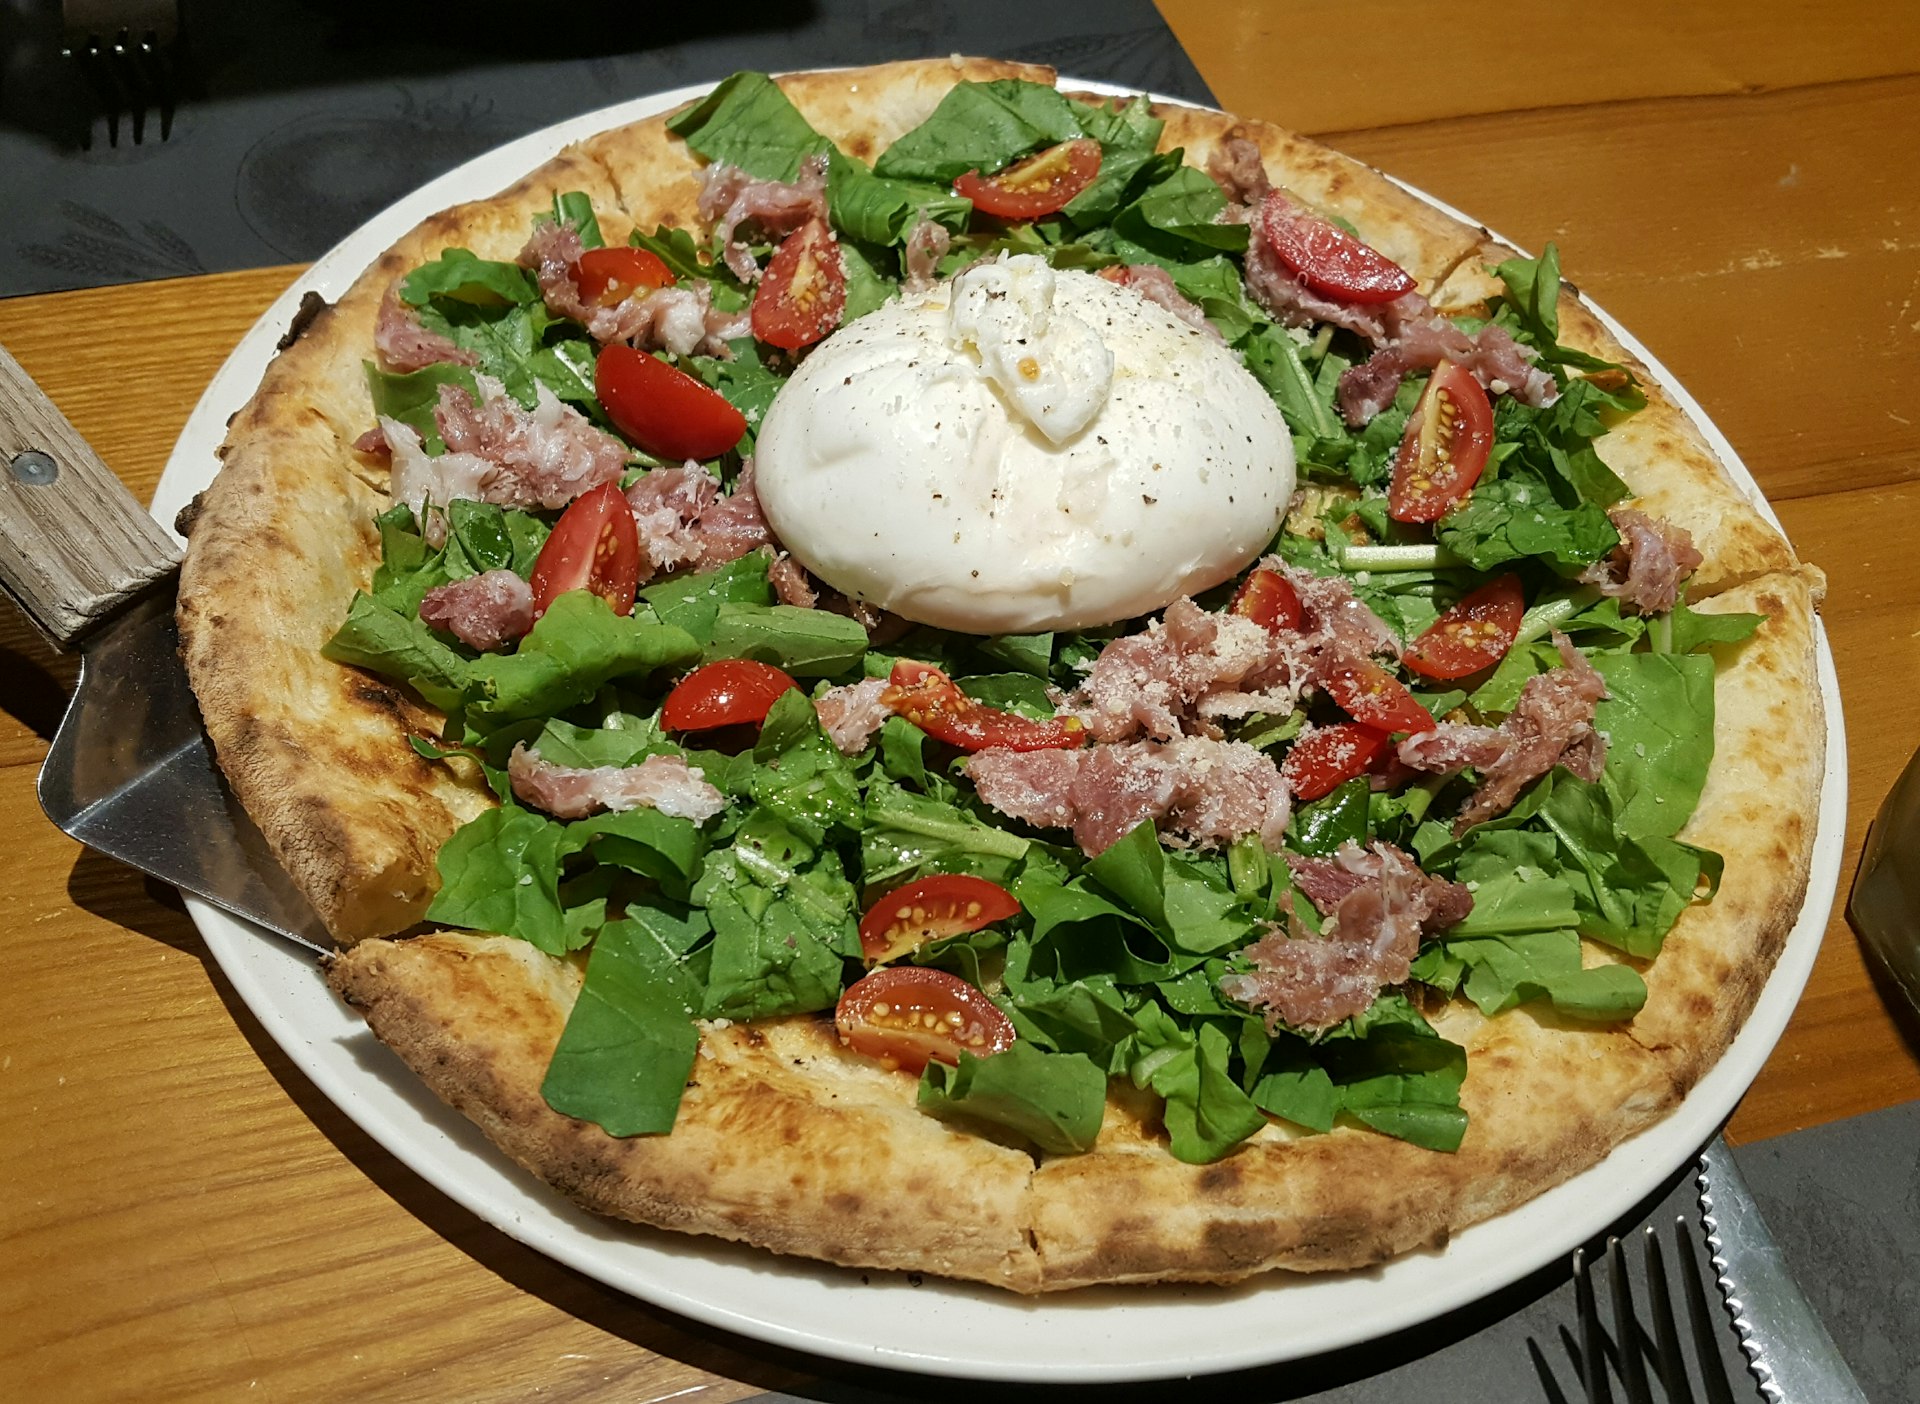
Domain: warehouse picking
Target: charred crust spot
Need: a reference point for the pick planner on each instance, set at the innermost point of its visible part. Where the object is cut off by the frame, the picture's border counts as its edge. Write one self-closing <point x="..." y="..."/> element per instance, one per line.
<point x="184" y="519"/>
<point x="311" y="306"/>
<point x="754" y="1038"/>
<point x="846" y="1202"/>
<point x="375" y="694"/>
<point x="1223" y="1177"/>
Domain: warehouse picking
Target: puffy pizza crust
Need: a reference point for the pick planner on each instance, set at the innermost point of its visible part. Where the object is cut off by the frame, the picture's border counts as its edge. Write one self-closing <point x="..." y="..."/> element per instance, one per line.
<point x="786" y="1141"/>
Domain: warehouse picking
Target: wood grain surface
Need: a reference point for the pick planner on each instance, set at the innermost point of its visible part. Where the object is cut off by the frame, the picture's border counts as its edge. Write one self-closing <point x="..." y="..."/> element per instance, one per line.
<point x="183" y="1217"/>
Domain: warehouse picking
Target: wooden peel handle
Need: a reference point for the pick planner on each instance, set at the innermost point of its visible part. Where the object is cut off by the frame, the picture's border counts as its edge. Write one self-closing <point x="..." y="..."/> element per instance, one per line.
<point x="74" y="545"/>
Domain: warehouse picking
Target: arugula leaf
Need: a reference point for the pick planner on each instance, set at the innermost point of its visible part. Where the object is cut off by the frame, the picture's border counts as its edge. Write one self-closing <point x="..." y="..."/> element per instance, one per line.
<point x="1628" y="890"/>
<point x="1055" y="1100"/>
<point x="692" y="602"/>
<point x="1274" y="359"/>
<point x="908" y="835"/>
<point x="1506" y="971"/>
<point x="801" y="775"/>
<point x="748" y="122"/>
<point x="642" y="840"/>
<point x="1514" y="876"/>
<point x="744" y="382"/>
<point x="1693" y="630"/>
<point x="480" y="531"/>
<point x="808" y="643"/>
<point x="767" y="958"/>
<point x="1172" y="894"/>
<point x="875" y="210"/>
<point x="1293" y="1086"/>
<point x="460" y="275"/>
<point x="1658" y="720"/>
<point x="1339" y="817"/>
<point x="1175" y="218"/>
<point x="676" y="248"/>
<point x="979" y="127"/>
<point x="378" y="638"/>
<point x="1207" y="1112"/>
<point x="575" y="648"/>
<point x="628" y="1047"/>
<point x="1123" y="175"/>
<point x="1513" y="518"/>
<point x="501" y="872"/>
<point x="1119" y="124"/>
<point x="1397" y="1075"/>
<point x="867" y="286"/>
<point x="586" y="747"/>
<point x="574" y="208"/>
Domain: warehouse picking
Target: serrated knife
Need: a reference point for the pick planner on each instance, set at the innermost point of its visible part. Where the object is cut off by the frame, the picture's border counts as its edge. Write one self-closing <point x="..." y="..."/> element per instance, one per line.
<point x="1787" y="1348"/>
<point x="130" y="771"/>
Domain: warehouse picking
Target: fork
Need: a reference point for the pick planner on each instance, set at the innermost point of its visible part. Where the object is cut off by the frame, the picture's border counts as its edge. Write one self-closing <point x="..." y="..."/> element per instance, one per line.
<point x="126" y="49"/>
<point x="1630" y="1340"/>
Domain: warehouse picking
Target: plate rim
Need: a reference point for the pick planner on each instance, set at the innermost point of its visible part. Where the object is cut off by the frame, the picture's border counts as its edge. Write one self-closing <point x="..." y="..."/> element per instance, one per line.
<point x="279" y="985"/>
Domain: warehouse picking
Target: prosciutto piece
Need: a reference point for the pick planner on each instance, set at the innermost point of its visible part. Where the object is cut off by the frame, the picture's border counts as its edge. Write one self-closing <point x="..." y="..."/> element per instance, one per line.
<point x="685" y="521"/>
<point x="1551" y="724"/>
<point x="665" y="783"/>
<point x="851" y="714"/>
<point x="485" y="612"/>
<point x="1237" y="169"/>
<point x="1420" y="340"/>
<point x="1645" y="570"/>
<point x="791" y="583"/>
<point x="1192" y="669"/>
<point x="404" y="345"/>
<point x="926" y="244"/>
<point x="730" y="198"/>
<point x="1378" y="905"/>
<point x="681" y="319"/>
<point x="1207" y="791"/>
<point x="1156" y="285"/>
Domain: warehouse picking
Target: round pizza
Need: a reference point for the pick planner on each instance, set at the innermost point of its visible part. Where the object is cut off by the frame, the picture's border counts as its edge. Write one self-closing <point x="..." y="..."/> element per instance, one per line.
<point x="936" y="673"/>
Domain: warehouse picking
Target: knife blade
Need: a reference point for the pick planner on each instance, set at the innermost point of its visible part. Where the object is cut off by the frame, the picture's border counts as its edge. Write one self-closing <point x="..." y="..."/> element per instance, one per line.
<point x="130" y="771"/>
<point x="1788" y="1350"/>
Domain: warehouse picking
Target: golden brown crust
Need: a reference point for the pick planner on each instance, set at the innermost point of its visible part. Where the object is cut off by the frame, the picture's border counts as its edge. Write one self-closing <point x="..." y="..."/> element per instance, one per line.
<point x="786" y="1141"/>
<point x="1658" y="451"/>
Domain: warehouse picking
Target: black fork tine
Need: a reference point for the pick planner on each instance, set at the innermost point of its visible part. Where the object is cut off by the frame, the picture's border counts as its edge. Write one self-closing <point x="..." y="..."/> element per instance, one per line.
<point x="1706" y="1340"/>
<point x="1673" y="1369"/>
<point x="1626" y="1327"/>
<point x="1593" y="1359"/>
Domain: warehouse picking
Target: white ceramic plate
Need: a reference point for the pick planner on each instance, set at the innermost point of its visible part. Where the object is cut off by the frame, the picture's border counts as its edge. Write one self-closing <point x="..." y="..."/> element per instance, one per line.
<point x="888" y="1319"/>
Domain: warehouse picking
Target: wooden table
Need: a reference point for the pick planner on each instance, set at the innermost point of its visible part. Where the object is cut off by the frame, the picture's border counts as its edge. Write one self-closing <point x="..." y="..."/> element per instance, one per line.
<point x="183" y="1216"/>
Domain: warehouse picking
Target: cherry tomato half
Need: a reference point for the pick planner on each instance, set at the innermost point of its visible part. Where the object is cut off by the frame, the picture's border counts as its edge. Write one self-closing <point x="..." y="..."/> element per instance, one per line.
<point x="594" y="546"/>
<point x="1369" y="693"/>
<point x="664" y="410"/>
<point x="726" y="693"/>
<point x="907" y="1015"/>
<point x="1327" y="258"/>
<point x="1476" y="633"/>
<point x="804" y="290"/>
<point x="1449" y="435"/>
<point x="929" y="699"/>
<point x="1326" y="757"/>
<point x="606" y="277"/>
<point x="943" y="905"/>
<point x="1269" y="600"/>
<point x="1039" y="185"/>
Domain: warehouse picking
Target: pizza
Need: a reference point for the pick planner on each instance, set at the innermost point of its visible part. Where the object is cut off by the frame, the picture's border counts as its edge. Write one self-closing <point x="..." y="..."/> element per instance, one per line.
<point x="1235" y="679"/>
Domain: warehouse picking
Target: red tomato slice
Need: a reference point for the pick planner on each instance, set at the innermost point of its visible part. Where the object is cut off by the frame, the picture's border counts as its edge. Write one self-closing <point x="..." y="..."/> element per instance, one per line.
<point x="1369" y="693"/>
<point x="594" y="546"/>
<point x="1476" y="633"/>
<point x="726" y="693"/>
<point x="664" y="410"/>
<point x="804" y="290"/>
<point x="928" y="698"/>
<point x="1269" y="600"/>
<point x="1449" y="435"/>
<point x="609" y="276"/>
<point x="944" y="905"/>
<point x="1039" y="185"/>
<point x="1327" y="258"/>
<point x="1329" y="756"/>
<point x="906" y="1015"/>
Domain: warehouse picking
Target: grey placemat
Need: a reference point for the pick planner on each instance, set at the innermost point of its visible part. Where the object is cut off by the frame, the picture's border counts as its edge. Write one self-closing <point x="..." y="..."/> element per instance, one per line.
<point x="316" y="116"/>
<point x="1843" y="1199"/>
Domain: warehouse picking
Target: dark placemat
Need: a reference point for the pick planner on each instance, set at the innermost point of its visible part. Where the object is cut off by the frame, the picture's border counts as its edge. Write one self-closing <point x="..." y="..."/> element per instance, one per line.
<point x="1843" y="1200"/>
<point x="312" y="117"/>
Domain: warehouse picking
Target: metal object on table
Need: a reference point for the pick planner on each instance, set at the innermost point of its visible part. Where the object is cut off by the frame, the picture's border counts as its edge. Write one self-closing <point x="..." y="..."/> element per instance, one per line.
<point x="130" y="771"/>
<point x="129" y="53"/>
<point x="1885" y="904"/>
<point x="1670" y="1367"/>
<point x="1788" y="1350"/>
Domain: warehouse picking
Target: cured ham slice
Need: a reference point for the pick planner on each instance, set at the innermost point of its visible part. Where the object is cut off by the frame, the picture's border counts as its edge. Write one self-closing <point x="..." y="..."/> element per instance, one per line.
<point x="1421" y="340"/>
<point x="1551" y="724"/>
<point x="404" y="345"/>
<point x="729" y="198"/>
<point x="685" y="521"/>
<point x="791" y="583"/>
<point x="665" y="783"/>
<point x="484" y="612"/>
<point x="681" y="319"/>
<point x="1237" y="169"/>
<point x="851" y="714"/>
<point x="1378" y="905"/>
<point x="1207" y="791"/>
<point x="1192" y="669"/>
<point x="1645" y="570"/>
<point x="1156" y="285"/>
<point x="500" y="452"/>
<point x="926" y="244"/>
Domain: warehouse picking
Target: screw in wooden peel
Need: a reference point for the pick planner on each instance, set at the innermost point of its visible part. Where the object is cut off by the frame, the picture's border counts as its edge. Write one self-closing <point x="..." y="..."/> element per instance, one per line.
<point x="34" y="468"/>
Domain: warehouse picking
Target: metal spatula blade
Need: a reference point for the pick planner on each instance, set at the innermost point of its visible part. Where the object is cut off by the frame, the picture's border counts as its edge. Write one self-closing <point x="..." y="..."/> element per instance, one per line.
<point x="130" y="772"/>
